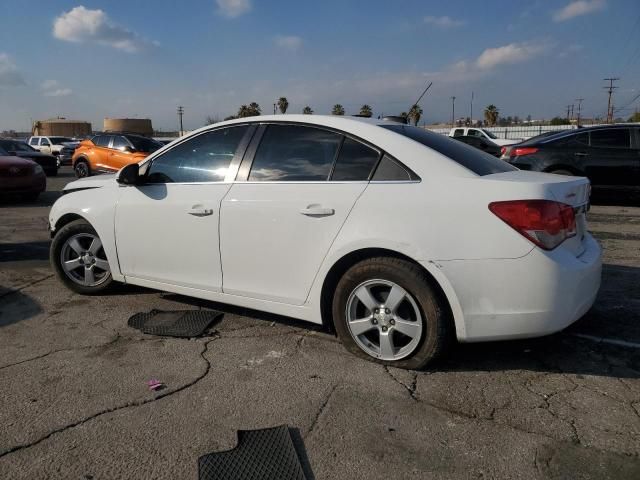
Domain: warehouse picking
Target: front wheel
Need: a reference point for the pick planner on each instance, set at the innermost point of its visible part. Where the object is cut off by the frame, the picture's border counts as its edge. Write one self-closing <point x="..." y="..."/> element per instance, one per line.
<point x="82" y="169"/>
<point x="385" y="310"/>
<point x="79" y="259"/>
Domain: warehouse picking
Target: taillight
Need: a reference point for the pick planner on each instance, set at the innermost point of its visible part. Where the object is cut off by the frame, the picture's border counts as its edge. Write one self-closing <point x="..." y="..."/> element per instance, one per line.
<point x="503" y="150"/>
<point x="520" y="151"/>
<point x="544" y="222"/>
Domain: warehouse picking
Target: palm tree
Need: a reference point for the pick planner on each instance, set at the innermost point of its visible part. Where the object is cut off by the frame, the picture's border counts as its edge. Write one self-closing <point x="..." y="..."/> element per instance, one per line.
<point x="243" y="111"/>
<point x="254" y="108"/>
<point x="491" y="114"/>
<point x="283" y="104"/>
<point x="404" y="115"/>
<point x="415" y="113"/>
<point x="307" y="110"/>
<point x="365" y="110"/>
<point x="337" y="109"/>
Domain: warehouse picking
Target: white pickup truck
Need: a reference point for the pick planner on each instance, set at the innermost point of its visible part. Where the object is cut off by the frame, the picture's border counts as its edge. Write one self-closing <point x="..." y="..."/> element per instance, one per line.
<point x="481" y="132"/>
<point x="62" y="147"/>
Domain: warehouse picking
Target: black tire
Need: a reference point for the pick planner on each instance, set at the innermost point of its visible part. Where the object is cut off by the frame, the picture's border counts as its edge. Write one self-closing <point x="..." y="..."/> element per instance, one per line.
<point x="437" y="330"/>
<point x="82" y="169"/>
<point x="69" y="230"/>
<point x="562" y="171"/>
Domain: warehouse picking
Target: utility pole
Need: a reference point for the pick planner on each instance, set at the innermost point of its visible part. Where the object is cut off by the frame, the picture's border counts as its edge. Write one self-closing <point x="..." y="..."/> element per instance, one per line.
<point x="471" y="113"/>
<point x="453" y="111"/>
<point x="579" y="100"/>
<point x="568" y="110"/>
<point x="274" y="108"/>
<point x="610" y="89"/>
<point x="180" y="114"/>
<point x="571" y="112"/>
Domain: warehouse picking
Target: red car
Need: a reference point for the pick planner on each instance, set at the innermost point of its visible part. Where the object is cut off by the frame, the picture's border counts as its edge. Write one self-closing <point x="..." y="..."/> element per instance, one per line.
<point x="21" y="176"/>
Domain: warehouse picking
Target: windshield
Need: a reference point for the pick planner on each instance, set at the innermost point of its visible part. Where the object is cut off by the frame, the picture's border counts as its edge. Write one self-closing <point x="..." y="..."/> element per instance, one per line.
<point x="489" y="134"/>
<point x="15" y="146"/>
<point x="142" y="144"/>
<point x="59" y="140"/>
<point x="477" y="161"/>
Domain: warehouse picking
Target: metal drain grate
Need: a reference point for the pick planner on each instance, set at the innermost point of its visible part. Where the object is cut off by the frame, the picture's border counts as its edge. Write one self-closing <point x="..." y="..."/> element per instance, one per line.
<point x="178" y="323"/>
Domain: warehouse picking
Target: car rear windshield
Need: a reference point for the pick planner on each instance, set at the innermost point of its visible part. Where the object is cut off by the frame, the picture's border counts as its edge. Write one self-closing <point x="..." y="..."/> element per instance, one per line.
<point x="12" y="145"/>
<point x="477" y="161"/>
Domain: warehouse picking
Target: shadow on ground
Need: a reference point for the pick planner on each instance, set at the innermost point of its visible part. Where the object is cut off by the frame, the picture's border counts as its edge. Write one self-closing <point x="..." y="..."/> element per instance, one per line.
<point x="17" y="252"/>
<point x="16" y="307"/>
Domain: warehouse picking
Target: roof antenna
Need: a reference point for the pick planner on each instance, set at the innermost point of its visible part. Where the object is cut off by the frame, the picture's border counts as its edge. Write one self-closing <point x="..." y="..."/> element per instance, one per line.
<point x="420" y="97"/>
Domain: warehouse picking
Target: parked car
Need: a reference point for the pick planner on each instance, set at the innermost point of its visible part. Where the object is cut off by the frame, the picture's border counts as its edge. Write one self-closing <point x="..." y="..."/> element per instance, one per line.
<point x="61" y="147"/>
<point x="481" y="143"/>
<point x="607" y="155"/>
<point x="505" y="151"/>
<point x="49" y="163"/>
<point x="385" y="231"/>
<point x="21" y="176"/>
<point x="481" y="133"/>
<point x="109" y="152"/>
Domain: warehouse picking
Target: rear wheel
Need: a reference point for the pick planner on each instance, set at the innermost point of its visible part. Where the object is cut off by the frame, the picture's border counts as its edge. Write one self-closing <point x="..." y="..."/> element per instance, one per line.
<point x="386" y="311"/>
<point x="82" y="169"/>
<point x="79" y="259"/>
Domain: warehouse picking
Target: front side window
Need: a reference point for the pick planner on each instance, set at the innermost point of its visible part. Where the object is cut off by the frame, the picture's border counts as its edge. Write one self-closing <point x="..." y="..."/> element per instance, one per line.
<point x="102" y="140"/>
<point x="294" y="153"/>
<point x="611" y="138"/>
<point x="355" y="162"/>
<point x="458" y="132"/>
<point x="44" y="142"/>
<point x="119" y="143"/>
<point x="205" y="158"/>
<point x="474" y="133"/>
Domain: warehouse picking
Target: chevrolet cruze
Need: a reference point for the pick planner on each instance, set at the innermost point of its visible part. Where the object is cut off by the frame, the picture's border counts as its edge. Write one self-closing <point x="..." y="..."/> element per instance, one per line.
<point x="400" y="239"/>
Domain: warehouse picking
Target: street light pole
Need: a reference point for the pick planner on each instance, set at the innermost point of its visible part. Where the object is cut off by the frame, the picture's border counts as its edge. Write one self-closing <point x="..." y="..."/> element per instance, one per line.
<point x="180" y="114"/>
<point x="453" y="111"/>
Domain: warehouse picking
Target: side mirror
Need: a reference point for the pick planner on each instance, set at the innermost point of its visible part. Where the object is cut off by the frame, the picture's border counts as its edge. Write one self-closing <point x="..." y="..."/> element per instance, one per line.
<point x="129" y="175"/>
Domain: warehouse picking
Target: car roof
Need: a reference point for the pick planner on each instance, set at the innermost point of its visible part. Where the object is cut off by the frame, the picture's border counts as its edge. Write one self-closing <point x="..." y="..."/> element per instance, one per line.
<point x="576" y="131"/>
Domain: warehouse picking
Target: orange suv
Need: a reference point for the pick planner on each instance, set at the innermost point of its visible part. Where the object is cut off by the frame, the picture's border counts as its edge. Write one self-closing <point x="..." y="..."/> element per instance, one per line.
<point x="109" y="152"/>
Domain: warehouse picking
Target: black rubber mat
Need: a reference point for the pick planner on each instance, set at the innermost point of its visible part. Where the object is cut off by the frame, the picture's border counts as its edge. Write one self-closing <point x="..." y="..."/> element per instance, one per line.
<point x="268" y="454"/>
<point x="176" y="323"/>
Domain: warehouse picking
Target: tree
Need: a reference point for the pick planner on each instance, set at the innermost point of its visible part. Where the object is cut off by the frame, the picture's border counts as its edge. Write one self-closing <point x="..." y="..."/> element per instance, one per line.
<point x="210" y="120"/>
<point x="415" y="112"/>
<point x="337" y="109"/>
<point x="253" y="110"/>
<point x="491" y="114"/>
<point x="635" y="117"/>
<point x="404" y="115"/>
<point x="365" y="110"/>
<point x="559" y="121"/>
<point x="283" y="104"/>
<point x="307" y="110"/>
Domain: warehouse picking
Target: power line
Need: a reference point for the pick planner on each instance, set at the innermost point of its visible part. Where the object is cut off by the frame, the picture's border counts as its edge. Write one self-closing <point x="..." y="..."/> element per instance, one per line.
<point x="610" y="88"/>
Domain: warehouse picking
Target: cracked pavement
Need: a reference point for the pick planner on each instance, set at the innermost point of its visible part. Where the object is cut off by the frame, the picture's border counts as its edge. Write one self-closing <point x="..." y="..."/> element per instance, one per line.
<point x="75" y="403"/>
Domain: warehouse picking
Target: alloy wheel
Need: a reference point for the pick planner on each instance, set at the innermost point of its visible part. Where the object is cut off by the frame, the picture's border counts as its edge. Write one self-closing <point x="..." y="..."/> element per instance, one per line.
<point x="84" y="261"/>
<point x="384" y="320"/>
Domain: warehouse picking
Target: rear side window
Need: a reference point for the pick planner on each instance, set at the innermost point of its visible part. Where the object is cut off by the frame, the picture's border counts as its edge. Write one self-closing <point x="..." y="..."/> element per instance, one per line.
<point x="355" y="162"/>
<point x="33" y="141"/>
<point x="205" y="158"/>
<point x="119" y="143"/>
<point x="45" y="142"/>
<point x="391" y="171"/>
<point x="611" y="138"/>
<point x="474" y="133"/>
<point x="458" y="132"/>
<point x="102" y="140"/>
<point x="294" y="153"/>
<point x="479" y="162"/>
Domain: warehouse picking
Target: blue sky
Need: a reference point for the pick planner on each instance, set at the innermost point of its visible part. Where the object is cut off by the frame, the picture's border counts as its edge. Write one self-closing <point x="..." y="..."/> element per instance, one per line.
<point x="141" y="58"/>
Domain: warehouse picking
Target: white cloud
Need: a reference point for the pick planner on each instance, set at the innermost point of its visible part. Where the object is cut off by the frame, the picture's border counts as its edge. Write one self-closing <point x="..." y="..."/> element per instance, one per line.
<point x="288" y="42"/>
<point x="578" y="8"/>
<point x="10" y="76"/>
<point x="83" y="25"/>
<point x="443" y="22"/>
<point x="512" y="53"/>
<point x="234" y="8"/>
<point x="52" y="88"/>
<point x="570" y="51"/>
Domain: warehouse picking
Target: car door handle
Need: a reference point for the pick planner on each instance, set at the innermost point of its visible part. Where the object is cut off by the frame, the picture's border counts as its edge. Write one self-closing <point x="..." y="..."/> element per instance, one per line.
<point x="580" y="154"/>
<point x="200" y="212"/>
<point x="317" y="211"/>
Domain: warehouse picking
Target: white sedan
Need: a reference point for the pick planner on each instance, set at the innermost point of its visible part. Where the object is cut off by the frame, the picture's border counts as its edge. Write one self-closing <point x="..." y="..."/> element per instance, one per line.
<point x="398" y="238"/>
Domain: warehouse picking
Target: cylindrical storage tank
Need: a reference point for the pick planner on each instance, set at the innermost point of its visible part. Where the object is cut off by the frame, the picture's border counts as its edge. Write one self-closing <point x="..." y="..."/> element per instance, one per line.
<point x="60" y="127"/>
<point x="141" y="126"/>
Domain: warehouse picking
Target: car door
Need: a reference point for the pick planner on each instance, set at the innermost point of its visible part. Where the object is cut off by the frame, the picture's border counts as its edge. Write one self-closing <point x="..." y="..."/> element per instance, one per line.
<point x="610" y="160"/>
<point x="119" y="156"/>
<point x="101" y="151"/>
<point x="287" y="206"/>
<point x="167" y="227"/>
<point x="45" y="145"/>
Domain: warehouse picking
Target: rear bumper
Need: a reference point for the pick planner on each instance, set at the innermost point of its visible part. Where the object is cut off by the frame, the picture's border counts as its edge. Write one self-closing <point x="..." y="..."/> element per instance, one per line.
<point x="535" y="295"/>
